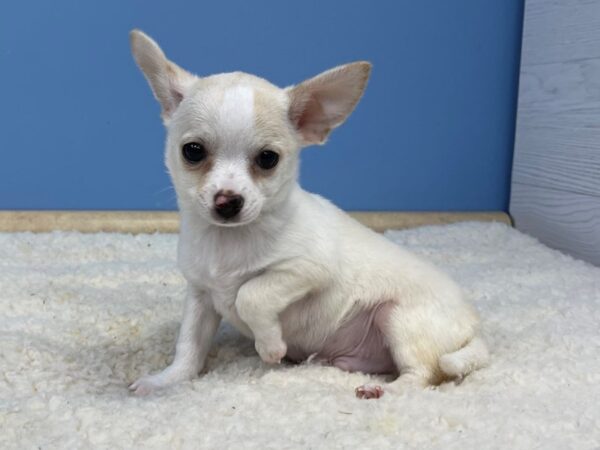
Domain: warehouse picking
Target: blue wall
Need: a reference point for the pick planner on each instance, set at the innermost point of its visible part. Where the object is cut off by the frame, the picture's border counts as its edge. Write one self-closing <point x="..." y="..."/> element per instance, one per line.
<point x="81" y="130"/>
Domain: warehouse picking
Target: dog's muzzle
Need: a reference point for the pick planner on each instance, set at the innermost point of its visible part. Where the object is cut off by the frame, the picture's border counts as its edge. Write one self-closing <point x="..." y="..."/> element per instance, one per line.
<point x="228" y="204"/>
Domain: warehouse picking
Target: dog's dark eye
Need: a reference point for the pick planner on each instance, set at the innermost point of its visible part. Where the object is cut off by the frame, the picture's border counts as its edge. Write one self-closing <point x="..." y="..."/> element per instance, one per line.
<point x="193" y="152"/>
<point x="267" y="159"/>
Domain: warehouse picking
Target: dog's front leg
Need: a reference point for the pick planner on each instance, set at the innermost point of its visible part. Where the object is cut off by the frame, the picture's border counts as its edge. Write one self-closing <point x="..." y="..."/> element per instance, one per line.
<point x="198" y="327"/>
<point x="262" y="299"/>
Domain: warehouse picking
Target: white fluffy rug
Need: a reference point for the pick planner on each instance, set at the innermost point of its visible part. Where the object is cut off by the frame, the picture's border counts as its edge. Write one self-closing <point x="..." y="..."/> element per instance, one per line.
<point x="81" y="316"/>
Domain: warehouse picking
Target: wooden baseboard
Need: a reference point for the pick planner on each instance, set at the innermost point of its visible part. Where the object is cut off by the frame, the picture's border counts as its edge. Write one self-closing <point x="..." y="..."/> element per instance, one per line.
<point x="168" y="221"/>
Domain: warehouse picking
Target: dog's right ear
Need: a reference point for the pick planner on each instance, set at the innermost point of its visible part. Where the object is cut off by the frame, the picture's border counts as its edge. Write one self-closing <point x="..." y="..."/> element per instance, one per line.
<point x="168" y="81"/>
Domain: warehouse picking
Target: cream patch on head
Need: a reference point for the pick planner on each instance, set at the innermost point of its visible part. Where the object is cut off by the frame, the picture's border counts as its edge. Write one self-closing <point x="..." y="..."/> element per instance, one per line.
<point x="236" y="113"/>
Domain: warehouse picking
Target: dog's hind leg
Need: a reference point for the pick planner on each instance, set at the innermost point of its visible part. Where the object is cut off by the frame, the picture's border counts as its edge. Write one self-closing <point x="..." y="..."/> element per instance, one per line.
<point x="417" y="335"/>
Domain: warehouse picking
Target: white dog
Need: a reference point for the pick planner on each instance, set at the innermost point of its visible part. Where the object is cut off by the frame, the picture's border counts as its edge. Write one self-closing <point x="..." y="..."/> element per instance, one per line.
<point x="287" y="268"/>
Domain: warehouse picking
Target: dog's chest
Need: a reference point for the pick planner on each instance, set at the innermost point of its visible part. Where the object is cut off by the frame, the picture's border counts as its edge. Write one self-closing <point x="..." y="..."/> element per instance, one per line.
<point x="218" y="264"/>
<point x="220" y="267"/>
<point x="222" y="286"/>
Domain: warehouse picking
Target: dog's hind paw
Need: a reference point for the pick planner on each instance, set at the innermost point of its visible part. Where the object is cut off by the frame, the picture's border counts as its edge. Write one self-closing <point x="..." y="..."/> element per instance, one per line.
<point x="368" y="391"/>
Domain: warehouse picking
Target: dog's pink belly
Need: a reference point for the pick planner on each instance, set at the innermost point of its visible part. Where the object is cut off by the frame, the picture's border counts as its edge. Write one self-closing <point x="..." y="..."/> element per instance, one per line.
<point x="359" y="345"/>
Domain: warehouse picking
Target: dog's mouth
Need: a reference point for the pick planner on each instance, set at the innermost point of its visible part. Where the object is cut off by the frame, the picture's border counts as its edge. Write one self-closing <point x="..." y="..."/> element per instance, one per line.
<point x="210" y="214"/>
<point x="228" y="223"/>
<point x="237" y="221"/>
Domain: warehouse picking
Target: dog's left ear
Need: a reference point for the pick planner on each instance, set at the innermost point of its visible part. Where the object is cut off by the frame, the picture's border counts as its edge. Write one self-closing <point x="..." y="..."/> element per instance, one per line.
<point x="320" y="104"/>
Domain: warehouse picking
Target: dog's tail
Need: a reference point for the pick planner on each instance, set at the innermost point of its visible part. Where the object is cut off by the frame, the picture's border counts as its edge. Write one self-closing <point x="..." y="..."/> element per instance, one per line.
<point x="460" y="363"/>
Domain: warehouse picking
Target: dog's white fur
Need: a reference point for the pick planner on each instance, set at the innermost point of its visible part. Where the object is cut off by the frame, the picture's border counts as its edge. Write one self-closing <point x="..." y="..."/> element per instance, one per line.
<point x="293" y="267"/>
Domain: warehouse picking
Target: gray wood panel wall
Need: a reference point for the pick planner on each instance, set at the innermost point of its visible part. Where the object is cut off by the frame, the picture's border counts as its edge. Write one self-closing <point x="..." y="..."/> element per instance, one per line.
<point x="556" y="171"/>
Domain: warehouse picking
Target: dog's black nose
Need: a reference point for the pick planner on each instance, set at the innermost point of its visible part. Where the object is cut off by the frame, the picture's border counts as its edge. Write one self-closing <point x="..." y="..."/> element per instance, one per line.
<point x="227" y="204"/>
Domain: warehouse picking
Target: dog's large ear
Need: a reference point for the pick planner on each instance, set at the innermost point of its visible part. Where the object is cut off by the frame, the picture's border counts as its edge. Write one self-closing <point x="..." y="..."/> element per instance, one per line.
<point x="168" y="81"/>
<point x="320" y="104"/>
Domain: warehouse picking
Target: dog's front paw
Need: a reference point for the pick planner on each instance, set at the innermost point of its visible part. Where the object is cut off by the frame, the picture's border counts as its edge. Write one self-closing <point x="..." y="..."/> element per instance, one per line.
<point x="147" y="384"/>
<point x="175" y="373"/>
<point x="271" y="352"/>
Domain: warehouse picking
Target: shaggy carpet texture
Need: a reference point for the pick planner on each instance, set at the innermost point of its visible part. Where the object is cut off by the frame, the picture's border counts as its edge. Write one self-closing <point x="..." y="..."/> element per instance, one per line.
<point x="82" y="316"/>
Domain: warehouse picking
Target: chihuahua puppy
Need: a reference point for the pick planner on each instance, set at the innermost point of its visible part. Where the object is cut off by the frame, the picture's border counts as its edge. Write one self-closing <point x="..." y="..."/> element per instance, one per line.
<point x="285" y="267"/>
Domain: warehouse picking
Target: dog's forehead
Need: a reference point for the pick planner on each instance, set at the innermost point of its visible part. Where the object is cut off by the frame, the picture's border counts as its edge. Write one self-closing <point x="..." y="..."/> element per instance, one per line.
<point x="235" y="113"/>
<point x="237" y="106"/>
